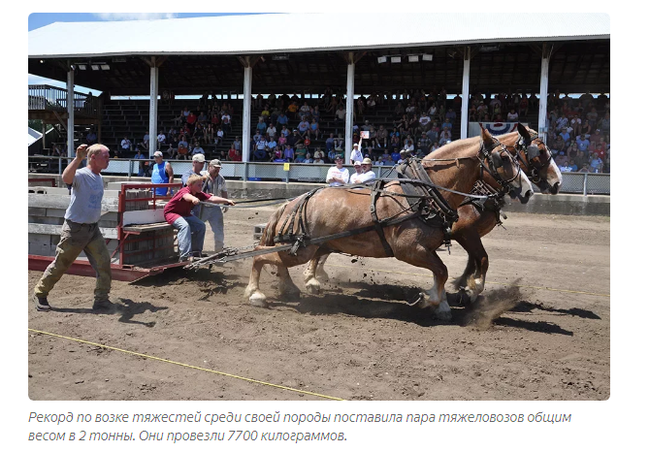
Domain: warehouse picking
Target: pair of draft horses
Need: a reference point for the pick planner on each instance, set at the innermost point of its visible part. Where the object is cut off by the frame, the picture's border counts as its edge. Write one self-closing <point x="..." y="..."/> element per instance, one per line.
<point x="409" y="218"/>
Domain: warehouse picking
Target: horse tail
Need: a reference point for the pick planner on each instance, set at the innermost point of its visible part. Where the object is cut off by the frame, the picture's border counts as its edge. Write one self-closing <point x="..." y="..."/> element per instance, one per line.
<point x="269" y="230"/>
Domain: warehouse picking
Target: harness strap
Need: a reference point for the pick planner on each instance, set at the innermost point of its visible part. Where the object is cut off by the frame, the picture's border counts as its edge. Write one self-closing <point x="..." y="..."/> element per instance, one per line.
<point x="374" y="195"/>
<point x="295" y="219"/>
<point x="415" y="180"/>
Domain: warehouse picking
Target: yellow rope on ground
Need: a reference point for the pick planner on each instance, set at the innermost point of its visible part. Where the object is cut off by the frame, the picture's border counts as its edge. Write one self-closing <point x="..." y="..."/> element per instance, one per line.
<point x="189" y="366"/>
<point x="486" y="282"/>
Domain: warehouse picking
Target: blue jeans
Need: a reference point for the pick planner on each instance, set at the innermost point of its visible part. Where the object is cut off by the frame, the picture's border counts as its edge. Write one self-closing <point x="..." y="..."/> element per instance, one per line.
<point x="191" y="233"/>
<point x="214" y="216"/>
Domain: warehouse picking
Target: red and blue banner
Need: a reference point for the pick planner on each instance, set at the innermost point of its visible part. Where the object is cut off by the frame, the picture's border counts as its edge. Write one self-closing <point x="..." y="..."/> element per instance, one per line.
<point x="495" y="128"/>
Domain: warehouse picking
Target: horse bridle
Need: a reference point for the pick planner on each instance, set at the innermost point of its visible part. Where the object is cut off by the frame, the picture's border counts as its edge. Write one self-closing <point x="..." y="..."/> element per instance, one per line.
<point x="495" y="161"/>
<point x="532" y="152"/>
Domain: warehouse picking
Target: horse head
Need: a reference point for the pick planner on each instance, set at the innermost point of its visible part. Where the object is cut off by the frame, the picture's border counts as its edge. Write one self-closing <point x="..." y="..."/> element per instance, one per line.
<point x="536" y="160"/>
<point x="503" y="171"/>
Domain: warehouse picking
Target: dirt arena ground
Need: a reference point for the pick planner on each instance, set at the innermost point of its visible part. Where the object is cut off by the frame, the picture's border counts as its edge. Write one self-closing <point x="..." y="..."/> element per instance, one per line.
<point x="542" y="331"/>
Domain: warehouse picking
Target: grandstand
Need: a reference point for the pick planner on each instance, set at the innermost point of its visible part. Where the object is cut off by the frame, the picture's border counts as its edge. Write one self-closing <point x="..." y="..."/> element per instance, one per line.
<point x="457" y="59"/>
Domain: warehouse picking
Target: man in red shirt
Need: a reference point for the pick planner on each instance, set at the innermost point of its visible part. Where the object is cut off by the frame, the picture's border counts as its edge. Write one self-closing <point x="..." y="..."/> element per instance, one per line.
<point x="191" y="120"/>
<point x="601" y="148"/>
<point x="233" y="154"/>
<point x="178" y="213"/>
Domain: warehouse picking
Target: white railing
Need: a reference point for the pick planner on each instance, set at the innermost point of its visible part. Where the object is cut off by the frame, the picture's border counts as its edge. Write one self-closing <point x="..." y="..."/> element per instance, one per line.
<point x="46" y="97"/>
<point x="573" y="183"/>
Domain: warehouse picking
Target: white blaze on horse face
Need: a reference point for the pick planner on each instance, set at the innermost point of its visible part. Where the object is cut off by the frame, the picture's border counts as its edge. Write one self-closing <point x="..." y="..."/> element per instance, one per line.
<point x="526" y="184"/>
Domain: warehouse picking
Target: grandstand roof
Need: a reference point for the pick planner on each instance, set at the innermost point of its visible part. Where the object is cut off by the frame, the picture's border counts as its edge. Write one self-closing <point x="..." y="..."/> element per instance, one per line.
<point x="203" y="53"/>
<point x="33" y="136"/>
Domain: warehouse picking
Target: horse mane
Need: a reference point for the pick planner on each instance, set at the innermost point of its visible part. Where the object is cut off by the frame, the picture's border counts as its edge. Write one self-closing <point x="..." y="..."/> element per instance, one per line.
<point x="456" y="146"/>
<point x="460" y="148"/>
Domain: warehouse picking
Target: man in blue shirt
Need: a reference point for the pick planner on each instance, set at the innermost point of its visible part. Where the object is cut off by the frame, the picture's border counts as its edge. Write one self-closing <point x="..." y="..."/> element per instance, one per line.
<point x="283" y="120"/>
<point x="261" y="126"/>
<point x="566" y="136"/>
<point x="583" y="142"/>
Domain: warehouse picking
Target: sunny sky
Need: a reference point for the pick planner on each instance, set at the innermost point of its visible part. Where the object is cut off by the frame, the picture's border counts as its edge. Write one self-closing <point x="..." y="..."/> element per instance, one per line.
<point x="37" y="20"/>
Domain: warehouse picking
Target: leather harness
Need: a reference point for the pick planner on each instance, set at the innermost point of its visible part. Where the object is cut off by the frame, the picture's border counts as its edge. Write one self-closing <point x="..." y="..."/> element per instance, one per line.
<point x="425" y="203"/>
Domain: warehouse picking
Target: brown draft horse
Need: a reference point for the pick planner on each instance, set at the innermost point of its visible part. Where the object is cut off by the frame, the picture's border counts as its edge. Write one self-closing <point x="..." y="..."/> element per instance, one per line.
<point x="474" y="222"/>
<point x="455" y="166"/>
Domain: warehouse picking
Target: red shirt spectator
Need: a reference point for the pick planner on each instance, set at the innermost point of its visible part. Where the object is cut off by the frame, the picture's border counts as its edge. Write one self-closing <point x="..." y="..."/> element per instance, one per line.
<point x="178" y="207"/>
<point x="234" y="155"/>
<point x="601" y="150"/>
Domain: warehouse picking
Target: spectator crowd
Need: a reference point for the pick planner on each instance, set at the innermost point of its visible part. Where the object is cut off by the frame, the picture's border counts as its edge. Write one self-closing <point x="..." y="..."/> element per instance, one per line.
<point x="298" y="130"/>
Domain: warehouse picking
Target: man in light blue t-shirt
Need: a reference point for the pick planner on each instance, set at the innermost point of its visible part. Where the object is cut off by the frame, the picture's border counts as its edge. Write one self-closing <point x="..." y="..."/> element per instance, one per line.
<point x="80" y="231"/>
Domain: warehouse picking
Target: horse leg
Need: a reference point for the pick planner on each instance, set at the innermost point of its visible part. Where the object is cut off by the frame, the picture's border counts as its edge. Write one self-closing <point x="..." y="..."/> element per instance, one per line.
<point x="252" y="291"/>
<point x="436" y="296"/>
<point x="482" y="264"/>
<point x="462" y="282"/>
<point x="321" y="274"/>
<point x="315" y="273"/>
<point x="473" y="279"/>
<point x="287" y="287"/>
<point x="282" y="262"/>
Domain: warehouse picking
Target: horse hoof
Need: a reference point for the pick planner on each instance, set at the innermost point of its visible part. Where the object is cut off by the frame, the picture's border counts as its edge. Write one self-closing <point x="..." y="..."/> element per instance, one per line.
<point x="258" y="299"/>
<point x="313" y="287"/>
<point x="443" y="312"/>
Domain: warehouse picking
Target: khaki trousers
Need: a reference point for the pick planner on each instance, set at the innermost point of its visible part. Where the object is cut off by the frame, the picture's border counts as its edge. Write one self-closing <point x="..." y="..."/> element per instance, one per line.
<point x="75" y="238"/>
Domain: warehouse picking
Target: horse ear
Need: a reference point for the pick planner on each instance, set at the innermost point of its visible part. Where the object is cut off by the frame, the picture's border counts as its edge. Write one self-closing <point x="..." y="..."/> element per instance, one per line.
<point x="523" y="131"/>
<point x="487" y="138"/>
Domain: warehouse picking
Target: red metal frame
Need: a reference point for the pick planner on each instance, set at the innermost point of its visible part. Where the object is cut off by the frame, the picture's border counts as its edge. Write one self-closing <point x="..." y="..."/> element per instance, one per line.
<point x="51" y="180"/>
<point x="123" y="236"/>
<point x="83" y="268"/>
<point x="120" y="271"/>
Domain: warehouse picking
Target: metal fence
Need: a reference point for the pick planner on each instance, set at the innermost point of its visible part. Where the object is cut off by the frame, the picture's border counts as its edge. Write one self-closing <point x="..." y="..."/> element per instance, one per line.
<point x="573" y="183"/>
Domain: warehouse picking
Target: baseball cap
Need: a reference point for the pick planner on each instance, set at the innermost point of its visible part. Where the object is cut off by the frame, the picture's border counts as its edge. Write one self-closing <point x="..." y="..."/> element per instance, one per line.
<point x="157" y="154"/>
<point x="357" y="163"/>
<point x="215" y="162"/>
<point x="198" y="158"/>
<point x="338" y="157"/>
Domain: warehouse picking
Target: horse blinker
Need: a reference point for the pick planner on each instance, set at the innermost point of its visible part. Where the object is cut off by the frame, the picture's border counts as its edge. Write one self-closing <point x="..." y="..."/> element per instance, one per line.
<point x="497" y="161"/>
<point x="533" y="152"/>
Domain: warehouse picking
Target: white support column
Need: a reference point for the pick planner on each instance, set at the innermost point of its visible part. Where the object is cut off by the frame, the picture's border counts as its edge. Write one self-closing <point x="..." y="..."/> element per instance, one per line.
<point x="153" y="108"/>
<point x="349" y="109"/>
<point x="70" y="86"/>
<point x="543" y="92"/>
<point x="246" y="116"/>
<point x="464" y="112"/>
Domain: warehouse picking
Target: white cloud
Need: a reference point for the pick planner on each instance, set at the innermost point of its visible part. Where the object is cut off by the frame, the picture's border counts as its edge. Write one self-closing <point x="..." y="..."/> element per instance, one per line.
<point x="135" y="16"/>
